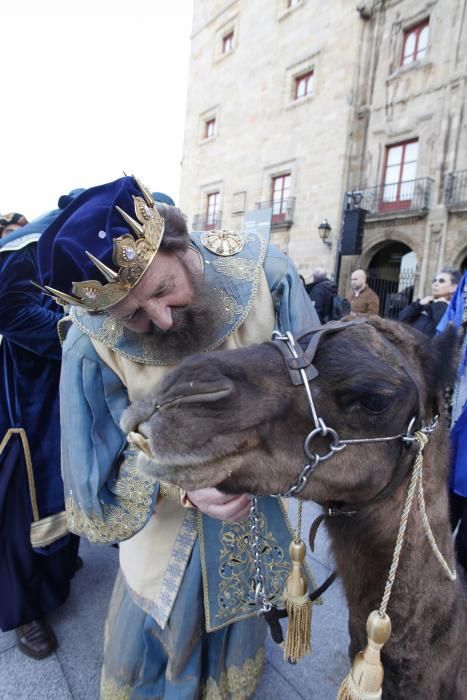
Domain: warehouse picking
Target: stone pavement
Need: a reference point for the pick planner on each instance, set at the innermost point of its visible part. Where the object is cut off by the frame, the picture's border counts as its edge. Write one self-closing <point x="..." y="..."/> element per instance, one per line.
<point x="72" y="673"/>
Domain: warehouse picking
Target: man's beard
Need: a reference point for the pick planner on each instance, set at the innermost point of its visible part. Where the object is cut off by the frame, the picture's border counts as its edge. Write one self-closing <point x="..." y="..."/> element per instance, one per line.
<point x="193" y="325"/>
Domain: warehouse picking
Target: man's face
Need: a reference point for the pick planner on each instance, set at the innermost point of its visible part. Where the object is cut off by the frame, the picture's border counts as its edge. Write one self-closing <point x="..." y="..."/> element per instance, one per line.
<point x="357" y="281"/>
<point x="156" y="302"/>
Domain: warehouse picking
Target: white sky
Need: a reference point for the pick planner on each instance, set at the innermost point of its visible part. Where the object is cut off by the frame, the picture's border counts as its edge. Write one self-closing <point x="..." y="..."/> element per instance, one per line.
<point x="90" y="88"/>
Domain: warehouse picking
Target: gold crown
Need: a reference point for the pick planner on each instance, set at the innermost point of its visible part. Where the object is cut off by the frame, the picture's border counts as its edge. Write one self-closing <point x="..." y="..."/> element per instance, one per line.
<point x="132" y="255"/>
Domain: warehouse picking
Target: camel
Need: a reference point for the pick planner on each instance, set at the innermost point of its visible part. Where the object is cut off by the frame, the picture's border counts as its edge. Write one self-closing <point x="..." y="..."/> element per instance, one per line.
<point x="235" y="420"/>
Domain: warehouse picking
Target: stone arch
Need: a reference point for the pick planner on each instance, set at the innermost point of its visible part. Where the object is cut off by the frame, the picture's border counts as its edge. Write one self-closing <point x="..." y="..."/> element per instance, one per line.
<point x="391" y="269"/>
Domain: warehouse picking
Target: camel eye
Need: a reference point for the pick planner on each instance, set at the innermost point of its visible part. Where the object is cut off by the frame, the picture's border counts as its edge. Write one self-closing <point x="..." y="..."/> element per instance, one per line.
<point x="375" y="403"/>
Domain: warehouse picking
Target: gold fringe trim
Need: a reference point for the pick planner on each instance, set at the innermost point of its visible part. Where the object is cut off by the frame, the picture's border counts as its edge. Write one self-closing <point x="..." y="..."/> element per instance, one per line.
<point x="297" y="643"/>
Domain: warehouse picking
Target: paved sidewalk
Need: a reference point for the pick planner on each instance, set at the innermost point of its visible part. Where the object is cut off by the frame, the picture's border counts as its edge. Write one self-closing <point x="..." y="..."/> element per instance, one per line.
<point x="72" y="673"/>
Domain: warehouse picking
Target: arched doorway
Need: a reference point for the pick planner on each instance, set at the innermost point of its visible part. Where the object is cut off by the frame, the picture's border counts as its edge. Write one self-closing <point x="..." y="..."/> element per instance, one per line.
<point x="391" y="274"/>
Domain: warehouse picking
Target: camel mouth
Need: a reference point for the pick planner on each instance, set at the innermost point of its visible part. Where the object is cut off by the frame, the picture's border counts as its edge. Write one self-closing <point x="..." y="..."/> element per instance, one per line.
<point x="203" y="456"/>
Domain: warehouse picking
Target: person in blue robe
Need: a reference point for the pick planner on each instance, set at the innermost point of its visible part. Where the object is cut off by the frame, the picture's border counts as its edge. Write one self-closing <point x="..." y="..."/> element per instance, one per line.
<point x="142" y="294"/>
<point x="37" y="553"/>
<point x="456" y="314"/>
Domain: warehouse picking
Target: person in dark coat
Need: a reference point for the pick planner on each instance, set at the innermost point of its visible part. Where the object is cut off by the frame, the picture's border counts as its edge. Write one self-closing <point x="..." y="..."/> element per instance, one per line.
<point x="425" y="314"/>
<point x="38" y="555"/>
<point x="321" y="292"/>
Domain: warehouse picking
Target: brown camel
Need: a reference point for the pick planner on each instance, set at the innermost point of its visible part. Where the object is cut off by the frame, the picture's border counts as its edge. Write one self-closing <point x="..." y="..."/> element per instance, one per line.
<point x="234" y="420"/>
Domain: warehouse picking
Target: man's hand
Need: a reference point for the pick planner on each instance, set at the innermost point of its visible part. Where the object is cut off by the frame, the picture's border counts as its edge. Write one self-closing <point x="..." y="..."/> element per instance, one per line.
<point x="426" y="300"/>
<point x="219" y="505"/>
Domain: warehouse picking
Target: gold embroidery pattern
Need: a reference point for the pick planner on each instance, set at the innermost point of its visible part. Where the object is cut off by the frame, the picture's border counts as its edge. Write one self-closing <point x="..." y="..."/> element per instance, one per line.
<point x="237" y="682"/>
<point x="133" y="492"/>
<point x="236" y="589"/>
<point x="111" y="331"/>
<point x="111" y="691"/>
<point x="238" y="268"/>
<point x="228" y="307"/>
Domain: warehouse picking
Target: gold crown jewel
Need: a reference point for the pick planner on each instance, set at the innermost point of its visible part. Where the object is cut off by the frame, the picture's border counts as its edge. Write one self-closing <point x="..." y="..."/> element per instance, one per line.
<point x="132" y="255"/>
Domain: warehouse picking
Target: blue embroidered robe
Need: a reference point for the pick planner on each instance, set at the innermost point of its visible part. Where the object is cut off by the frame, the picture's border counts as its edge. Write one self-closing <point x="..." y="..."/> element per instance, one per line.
<point x="33" y="581"/>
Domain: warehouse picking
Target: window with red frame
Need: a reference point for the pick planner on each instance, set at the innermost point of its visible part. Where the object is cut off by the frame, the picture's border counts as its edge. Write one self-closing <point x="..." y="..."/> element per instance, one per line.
<point x="209" y="128"/>
<point x="303" y="85"/>
<point x="227" y="42"/>
<point x="399" y="176"/>
<point x="212" y="210"/>
<point x="415" y="43"/>
<point x="280" y="195"/>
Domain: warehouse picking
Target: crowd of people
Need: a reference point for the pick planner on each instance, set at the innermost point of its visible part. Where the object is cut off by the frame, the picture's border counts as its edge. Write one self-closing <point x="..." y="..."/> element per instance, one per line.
<point x="140" y="294"/>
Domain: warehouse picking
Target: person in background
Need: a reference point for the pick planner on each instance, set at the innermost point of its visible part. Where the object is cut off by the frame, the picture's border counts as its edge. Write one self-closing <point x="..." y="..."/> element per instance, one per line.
<point x="425" y="314"/>
<point x="362" y="299"/>
<point x="321" y="292"/>
<point x="38" y="556"/>
<point x="143" y="295"/>
<point x="11" y="222"/>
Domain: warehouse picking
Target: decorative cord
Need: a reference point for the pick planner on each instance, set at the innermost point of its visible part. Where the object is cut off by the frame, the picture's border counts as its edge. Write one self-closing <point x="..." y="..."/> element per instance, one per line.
<point x="415" y="482"/>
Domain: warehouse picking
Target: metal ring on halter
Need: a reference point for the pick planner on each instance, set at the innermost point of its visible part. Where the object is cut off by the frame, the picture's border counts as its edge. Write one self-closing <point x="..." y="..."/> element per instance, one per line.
<point x="335" y="444"/>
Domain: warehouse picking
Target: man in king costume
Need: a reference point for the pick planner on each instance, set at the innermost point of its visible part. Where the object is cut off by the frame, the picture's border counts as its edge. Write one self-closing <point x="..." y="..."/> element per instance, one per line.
<point x="142" y="295"/>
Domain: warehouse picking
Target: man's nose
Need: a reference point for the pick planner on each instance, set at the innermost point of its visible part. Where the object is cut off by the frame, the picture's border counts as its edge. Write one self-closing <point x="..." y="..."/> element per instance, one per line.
<point x="160" y="314"/>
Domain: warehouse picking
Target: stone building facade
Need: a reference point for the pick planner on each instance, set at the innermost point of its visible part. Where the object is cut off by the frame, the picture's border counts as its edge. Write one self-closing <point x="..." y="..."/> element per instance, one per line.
<point x="314" y="108"/>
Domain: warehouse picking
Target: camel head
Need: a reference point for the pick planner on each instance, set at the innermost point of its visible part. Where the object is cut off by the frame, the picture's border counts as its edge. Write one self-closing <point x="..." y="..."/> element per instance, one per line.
<point x="234" y="420"/>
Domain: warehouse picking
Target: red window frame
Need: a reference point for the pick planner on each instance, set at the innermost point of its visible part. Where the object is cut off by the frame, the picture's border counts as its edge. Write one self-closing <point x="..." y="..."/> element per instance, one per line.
<point x="416" y="31"/>
<point x="307" y="80"/>
<point x="397" y="195"/>
<point x="209" y="128"/>
<point x="280" y="185"/>
<point x="227" y="42"/>
<point x="212" y="210"/>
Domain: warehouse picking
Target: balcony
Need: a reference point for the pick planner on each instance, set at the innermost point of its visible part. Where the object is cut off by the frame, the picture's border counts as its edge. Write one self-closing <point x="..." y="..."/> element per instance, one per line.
<point x="282" y="211"/>
<point x="203" y="222"/>
<point x="455" y="194"/>
<point x="409" y="198"/>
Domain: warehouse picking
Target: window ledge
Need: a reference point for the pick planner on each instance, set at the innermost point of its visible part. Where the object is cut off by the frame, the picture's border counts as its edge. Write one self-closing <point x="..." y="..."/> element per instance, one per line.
<point x="207" y="139"/>
<point x="402" y="70"/>
<point x="223" y="56"/>
<point x="300" y="101"/>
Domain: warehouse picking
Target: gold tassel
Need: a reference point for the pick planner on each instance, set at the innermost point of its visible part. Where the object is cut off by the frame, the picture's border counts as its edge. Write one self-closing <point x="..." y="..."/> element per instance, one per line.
<point x="298" y="605"/>
<point x="365" y="679"/>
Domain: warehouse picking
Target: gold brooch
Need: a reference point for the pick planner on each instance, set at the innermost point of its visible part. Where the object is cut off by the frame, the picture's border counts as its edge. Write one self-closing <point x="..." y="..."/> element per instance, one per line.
<point x="223" y="242"/>
<point x="132" y="255"/>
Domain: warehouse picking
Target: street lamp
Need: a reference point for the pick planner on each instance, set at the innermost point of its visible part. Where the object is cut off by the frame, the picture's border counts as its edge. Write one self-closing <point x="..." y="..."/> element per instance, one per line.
<point x="324" y="230"/>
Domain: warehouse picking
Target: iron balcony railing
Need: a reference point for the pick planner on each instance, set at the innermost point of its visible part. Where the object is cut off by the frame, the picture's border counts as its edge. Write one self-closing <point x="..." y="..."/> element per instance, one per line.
<point x="203" y="222"/>
<point x="411" y="195"/>
<point x="456" y="189"/>
<point x="282" y="210"/>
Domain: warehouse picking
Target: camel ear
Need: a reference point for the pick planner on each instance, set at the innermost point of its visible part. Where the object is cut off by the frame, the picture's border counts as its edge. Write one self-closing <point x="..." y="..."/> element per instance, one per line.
<point x="444" y="359"/>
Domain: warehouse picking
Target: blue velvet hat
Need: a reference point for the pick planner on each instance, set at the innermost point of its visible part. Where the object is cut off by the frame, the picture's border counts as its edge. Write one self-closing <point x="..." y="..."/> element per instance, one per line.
<point x="102" y="243"/>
